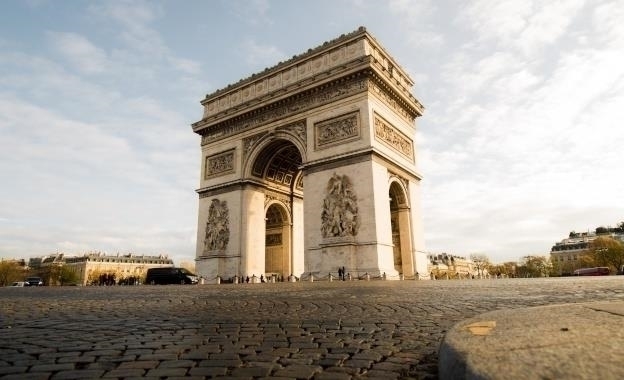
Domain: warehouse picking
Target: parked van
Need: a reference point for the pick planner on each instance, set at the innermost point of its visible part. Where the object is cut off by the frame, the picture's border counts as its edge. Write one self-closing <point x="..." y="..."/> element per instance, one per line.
<point x="165" y="276"/>
<point x="598" y="271"/>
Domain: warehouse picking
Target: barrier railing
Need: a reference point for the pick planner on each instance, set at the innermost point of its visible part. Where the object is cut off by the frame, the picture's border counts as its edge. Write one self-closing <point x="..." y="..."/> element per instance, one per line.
<point x="310" y="277"/>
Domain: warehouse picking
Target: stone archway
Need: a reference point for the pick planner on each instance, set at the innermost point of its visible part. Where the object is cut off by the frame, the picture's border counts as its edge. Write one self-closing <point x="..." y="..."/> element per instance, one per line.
<point x="277" y="255"/>
<point x="274" y="165"/>
<point x="401" y="230"/>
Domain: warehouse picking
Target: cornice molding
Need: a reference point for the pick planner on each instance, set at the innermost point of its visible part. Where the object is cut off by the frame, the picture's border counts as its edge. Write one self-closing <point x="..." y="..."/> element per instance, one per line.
<point x="359" y="82"/>
<point x="327" y="61"/>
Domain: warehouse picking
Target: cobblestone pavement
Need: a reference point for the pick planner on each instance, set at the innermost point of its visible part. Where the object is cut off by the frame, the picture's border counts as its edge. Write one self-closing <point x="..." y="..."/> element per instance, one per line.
<point x="320" y="330"/>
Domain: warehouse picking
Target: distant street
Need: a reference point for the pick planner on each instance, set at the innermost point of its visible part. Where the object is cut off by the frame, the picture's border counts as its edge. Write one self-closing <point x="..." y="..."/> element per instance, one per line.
<point x="320" y="330"/>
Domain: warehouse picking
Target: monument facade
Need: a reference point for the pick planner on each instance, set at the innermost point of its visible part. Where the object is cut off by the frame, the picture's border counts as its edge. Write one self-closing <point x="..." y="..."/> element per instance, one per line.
<point x="310" y="166"/>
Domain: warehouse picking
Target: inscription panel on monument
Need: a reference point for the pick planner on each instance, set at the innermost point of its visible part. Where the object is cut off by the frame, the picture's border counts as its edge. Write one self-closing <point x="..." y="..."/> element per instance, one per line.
<point x="219" y="164"/>
<point x="337" y="130"/>
<point x="387" y="134"/>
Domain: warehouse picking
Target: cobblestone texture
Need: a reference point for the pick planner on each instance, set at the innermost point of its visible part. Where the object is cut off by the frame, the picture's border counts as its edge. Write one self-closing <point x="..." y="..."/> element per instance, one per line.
<point x="320" y="330"/>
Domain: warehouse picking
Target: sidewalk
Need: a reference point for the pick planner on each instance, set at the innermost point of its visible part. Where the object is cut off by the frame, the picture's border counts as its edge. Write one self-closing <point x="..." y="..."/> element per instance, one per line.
<point x="569" y="341"/>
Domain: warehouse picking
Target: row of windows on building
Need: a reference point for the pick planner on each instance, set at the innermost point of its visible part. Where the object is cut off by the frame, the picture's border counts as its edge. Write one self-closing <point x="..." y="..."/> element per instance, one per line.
<point x="565" y="258"/>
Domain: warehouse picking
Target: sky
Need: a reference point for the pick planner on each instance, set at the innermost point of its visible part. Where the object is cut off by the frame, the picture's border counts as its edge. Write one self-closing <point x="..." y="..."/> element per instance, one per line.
<point x="521" y="141"/>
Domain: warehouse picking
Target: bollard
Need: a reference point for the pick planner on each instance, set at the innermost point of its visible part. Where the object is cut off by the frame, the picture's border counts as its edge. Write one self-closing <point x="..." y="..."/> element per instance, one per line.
<point x="218" y="280"/>
<point x="311" y="277"/>
<point x="367" y="276"/>
<point x="330" y="278"/>
<point x="401" y="277"/>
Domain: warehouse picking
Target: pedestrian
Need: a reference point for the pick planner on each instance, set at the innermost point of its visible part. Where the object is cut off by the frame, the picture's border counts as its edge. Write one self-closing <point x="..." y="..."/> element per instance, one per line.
<point x="261" y="278"/>
<point x="340" y="273"/>
<point x="343" y="273"/>
<point x="247" y="280"/>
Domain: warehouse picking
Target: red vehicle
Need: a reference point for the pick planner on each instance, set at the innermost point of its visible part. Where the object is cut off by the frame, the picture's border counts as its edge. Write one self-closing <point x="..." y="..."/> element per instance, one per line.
<point x="597" y="271"/>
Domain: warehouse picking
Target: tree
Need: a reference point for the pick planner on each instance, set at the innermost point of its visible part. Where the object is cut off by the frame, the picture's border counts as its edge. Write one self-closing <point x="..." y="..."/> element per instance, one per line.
<point x="60" y="275"/>
<point x="10" y="271"/>
<point x="481" y="263"/>
<point x="608" y="252"/>
<point x="507" y="269"/>
<point x="534" y="266"/>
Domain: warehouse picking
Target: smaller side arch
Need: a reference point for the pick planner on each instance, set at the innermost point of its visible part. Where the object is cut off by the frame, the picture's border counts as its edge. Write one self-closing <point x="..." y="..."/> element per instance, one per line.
<point x="278" y="237"/>
<point x="398" y="191"/>
<point x="400" y="225"/>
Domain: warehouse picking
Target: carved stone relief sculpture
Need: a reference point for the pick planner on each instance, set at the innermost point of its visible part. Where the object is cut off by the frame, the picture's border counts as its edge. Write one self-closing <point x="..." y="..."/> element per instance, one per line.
<point x="337" y="130"/>
<point x="217" y="227"/>
<point x="390" y="136"/>
<point x="219" y="164"/>
<point x="339" y="217"/>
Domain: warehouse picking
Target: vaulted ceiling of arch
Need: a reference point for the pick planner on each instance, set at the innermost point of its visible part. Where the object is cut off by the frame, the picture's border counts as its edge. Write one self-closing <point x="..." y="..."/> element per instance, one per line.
<point x="279" y="163"/>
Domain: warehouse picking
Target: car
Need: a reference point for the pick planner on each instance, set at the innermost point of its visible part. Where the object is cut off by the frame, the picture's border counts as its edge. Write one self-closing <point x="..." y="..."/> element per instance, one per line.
<point x="19" y="284"/>
<point x="169" y="275"/>
<point x="34" y="281"/>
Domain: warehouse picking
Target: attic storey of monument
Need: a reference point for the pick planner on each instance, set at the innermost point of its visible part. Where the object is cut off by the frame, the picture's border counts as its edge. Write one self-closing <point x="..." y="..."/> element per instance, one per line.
<point x="310" y="166"/>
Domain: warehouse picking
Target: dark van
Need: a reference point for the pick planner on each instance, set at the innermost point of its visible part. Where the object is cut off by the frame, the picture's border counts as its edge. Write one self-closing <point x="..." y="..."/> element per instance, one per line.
<point x="166" y="276"/>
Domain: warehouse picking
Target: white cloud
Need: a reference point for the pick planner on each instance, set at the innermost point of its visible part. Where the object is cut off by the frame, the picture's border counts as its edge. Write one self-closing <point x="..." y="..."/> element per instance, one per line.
<point x="80" y="52"/>
<point x="419" y="34"/>
<point x="528" y="143"/>
<point x="67" y="173"/>
<point x="143" y="42"/>
<point x="260" y="56"/>
<point x="528" y="26"/>
<point x="252" y="12"/>
<point x="607" y="19"/>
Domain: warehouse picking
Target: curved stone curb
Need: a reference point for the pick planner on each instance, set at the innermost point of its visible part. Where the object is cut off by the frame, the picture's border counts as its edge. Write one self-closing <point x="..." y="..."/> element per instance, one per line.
<point x="570" y="341"/>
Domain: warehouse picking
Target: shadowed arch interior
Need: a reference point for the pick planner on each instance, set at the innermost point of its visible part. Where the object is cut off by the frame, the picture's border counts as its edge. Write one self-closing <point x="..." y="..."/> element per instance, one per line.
<point x="279" y="163"/>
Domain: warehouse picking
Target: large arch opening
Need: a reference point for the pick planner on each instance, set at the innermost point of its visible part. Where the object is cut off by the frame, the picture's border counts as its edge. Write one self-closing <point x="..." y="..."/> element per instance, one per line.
<point x="276" y="167"/>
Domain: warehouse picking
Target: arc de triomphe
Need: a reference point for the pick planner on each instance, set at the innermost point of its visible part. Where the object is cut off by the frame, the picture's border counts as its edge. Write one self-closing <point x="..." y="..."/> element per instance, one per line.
<point x="310" y="166"/>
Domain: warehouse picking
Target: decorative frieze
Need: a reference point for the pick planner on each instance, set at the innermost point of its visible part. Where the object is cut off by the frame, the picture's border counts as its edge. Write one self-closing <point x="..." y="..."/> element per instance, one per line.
<point x="219" y="164"/>
<point x="337" y="130"/>
<point x="217" y="228"/>
<point x="339" y="90"/>
<point x="392" y="137"/>
<point x="339" y="216"/>
<point x="283" y="75"/>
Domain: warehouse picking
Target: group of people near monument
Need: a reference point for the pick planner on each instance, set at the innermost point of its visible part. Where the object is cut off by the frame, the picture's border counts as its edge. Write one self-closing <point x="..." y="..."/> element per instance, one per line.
<point x="341" y="273"/>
